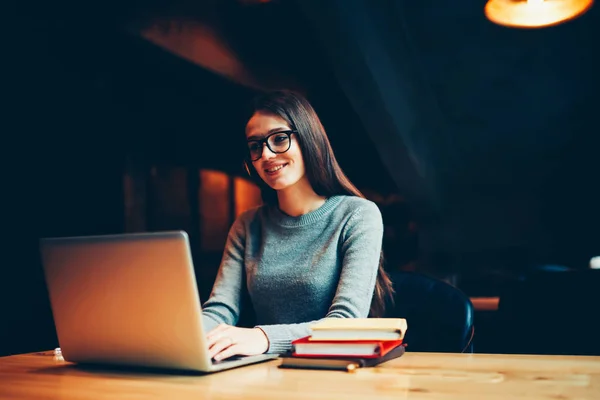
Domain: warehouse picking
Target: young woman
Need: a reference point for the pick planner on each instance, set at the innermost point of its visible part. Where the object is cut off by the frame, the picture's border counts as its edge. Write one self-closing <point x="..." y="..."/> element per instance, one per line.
<point x="312" y="251"/>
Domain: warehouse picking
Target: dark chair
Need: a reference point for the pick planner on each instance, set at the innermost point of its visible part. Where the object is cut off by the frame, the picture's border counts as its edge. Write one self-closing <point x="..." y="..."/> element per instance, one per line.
<point x="551" y="313"/>
<point x="439" y="316"/>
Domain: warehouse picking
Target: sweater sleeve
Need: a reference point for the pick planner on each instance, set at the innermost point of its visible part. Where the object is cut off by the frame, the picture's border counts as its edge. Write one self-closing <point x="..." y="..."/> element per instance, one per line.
<point x="223" y="305"/>
<point x="360" y="252"/>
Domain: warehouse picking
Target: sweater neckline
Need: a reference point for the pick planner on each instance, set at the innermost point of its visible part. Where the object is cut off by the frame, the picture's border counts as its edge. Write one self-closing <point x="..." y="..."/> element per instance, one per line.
<point x="281" y="218"/>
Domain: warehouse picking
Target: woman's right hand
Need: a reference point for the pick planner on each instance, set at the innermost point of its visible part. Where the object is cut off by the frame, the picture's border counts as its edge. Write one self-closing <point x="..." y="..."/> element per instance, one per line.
<point x="225" y="341"/>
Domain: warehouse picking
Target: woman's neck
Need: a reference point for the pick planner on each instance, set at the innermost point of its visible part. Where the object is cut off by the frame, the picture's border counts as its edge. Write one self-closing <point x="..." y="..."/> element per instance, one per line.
<point x="299" y="199"/>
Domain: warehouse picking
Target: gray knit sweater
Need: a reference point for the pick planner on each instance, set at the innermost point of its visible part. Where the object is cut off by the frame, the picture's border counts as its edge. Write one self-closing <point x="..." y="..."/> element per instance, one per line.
<point x="298" y="269"/>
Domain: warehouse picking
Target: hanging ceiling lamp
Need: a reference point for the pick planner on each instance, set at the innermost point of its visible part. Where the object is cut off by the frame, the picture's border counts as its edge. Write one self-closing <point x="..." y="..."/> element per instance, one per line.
<point x="534" y="13"/>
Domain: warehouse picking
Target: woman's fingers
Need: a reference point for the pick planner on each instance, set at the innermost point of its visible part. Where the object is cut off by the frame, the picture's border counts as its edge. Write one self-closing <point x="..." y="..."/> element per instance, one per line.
<point x="227" y="352"/>
<point x="213" y="336"/>
<point x="220" y="345"/>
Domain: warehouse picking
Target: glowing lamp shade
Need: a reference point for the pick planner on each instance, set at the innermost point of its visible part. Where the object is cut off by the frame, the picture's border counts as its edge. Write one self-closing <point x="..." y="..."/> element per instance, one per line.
<point x="534" y="13"/>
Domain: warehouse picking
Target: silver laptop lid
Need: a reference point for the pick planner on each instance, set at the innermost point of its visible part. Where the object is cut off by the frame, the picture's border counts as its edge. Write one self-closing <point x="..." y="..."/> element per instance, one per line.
<point x="126" y="299"/>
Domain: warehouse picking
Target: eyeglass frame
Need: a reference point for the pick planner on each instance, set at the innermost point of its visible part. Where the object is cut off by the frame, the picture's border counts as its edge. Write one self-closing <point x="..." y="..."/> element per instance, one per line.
<point x="265" y="140"/>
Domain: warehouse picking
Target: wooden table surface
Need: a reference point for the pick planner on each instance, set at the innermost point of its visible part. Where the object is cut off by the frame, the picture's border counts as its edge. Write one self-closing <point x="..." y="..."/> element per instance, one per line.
<point x="413" y="376"/>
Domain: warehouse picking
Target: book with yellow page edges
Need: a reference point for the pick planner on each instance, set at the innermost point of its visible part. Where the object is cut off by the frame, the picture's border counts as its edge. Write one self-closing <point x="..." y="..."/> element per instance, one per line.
<point x="357" y="342"/>
<point x="343" y="329"/>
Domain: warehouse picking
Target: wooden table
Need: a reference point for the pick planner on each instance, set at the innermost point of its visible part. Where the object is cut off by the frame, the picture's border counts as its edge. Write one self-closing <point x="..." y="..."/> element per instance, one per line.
<point x="414" y="376"/>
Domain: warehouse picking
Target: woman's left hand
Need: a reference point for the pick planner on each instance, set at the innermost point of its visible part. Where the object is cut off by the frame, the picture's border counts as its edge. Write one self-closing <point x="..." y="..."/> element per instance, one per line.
<point x="225" y="341"/>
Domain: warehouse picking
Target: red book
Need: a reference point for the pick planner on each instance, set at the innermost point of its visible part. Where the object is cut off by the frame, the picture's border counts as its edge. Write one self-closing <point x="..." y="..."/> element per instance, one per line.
<point x="357" y="348"/>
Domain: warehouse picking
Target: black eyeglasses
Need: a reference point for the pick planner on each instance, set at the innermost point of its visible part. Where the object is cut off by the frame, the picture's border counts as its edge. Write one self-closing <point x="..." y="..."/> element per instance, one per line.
<point x="278" y="142"/>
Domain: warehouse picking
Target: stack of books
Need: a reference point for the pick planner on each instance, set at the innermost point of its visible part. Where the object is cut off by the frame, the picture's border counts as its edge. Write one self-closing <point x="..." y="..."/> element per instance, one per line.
<point x="348" y="343"/>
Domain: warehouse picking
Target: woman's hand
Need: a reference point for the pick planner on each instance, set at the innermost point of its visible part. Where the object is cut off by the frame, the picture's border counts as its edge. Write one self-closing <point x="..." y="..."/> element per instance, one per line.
<point x="225" y="341"/>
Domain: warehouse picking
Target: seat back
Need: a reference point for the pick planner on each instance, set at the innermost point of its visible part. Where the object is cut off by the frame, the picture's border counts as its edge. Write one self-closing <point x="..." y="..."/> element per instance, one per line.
<point x="439" y="316"/>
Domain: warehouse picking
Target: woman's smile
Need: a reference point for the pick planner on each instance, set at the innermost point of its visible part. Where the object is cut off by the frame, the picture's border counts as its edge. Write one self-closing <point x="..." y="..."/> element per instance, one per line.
<point x="274" y="170"/>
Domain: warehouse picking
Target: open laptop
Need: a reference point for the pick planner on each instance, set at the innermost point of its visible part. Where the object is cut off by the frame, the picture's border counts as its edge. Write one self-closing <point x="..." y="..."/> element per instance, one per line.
<point x="129" y="300"/>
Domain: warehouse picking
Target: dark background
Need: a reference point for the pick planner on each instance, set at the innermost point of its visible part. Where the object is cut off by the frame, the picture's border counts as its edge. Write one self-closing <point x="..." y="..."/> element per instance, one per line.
<point x="488" y="135"/>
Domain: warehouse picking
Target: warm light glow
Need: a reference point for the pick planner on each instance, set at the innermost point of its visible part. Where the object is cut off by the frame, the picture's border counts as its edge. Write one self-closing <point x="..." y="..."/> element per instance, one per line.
<point x="534" y="13"/>
<point x="214" y="209"/>
<point x="247" y="195"/>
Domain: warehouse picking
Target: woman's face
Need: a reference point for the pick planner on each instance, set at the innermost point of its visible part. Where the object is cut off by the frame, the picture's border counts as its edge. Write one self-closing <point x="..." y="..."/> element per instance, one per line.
<point x="278" y="168"/>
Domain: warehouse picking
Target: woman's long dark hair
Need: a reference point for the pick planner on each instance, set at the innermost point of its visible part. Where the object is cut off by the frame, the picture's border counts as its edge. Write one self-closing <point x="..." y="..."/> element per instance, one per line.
<point x="322" y="169"/>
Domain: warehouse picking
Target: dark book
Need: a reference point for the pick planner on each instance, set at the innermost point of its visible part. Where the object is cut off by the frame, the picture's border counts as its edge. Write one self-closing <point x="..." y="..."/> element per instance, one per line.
<point x="338" y="363"/>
